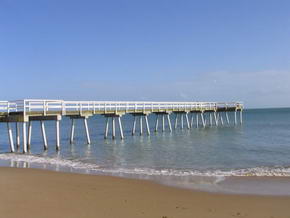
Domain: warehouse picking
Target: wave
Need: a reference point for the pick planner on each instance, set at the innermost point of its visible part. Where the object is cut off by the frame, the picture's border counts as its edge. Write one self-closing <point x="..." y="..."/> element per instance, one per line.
<point x="57" y="162"/>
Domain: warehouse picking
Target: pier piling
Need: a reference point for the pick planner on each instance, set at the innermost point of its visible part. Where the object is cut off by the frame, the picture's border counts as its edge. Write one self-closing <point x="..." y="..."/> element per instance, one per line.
<point x="236" y="118"/>
<point x="17" y="128"/>
<point x="169" y="122"/>
<point x="202" y="119"/>
<point x="176" y="120"/>
<point x="187" y="121"/>
<point x="141" y="125"/>
<point x="221" y="118"/>
<point x="24" y="138"/>
<point x="87" y="130"/>
<point x="191" y="120"/>
<point x="113" y="128"/>
<point x="181" y="121"/>
<point x="134" y="125"/>
<point x="106" y="128"/>
<point x="113" y="118"/>
<point x="57" y="135"/>
<point x="210" y="119"/>
<point x="121" y="127"/>
<point x="147" y="125"/>
<point x="163" y="123"/>
<point x="227" y="117"/>
<point x="216" y="119"/>
<point x="10" y="136"/>
<point x="164" y="116"/>
<point x="43" y="135"/>
<point x="72" y="131"/>
<point x="29" y="135"/>
<point x="156" y="123"/>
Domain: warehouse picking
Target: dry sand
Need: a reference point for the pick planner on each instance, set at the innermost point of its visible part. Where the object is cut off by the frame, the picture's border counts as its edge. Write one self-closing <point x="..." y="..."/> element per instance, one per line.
<point x="38" y="193"/>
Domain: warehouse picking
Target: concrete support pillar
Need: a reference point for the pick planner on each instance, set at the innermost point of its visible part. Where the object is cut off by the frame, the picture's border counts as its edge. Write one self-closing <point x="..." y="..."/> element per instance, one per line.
<point x="141" y="125"/>
<point x="10" y="136"/>
<point x="191" y="121"/>
<point x="156" y="123"/>
<point x="87" y="130"/>
<point x="17" y="128"/>
<point x="176" y="120"/>
<point x="106" y="128"/>
<point x="187" y="121"/>
<point x="169" y="122"/>
<point x="197" y="120"/>
<point x="181" y="121"/>
<point x="241" y="116"/>
<point x="221" y="117"/>
<point x="216" y="119"/>
<point x="227" y="118"/>
<point x="29" y="134"/>
<point x="115" y="118"/>
<point x="57" y="134"/>
<point x="113" y="128"/>
<point x="43" y="135"/>
<point x="202" y="119"/>
<point x="147" y="125"/>
<point x="163" y="122"/>
<point x="236" y="118"/>
<point x="121" y="127"/>
<point x="72" y="130"/>
<point x="24" y="137"/>
<point x="134" y="126"/>
<point x="210" y="119"/>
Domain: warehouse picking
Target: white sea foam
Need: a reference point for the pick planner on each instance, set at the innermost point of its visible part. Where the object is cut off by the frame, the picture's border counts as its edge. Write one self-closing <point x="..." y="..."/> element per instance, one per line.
<point x="95" y="169"/>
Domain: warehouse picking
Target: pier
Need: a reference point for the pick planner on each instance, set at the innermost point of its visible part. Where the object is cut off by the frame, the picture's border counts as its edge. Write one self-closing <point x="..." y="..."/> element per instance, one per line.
<point x="23" y="113"/>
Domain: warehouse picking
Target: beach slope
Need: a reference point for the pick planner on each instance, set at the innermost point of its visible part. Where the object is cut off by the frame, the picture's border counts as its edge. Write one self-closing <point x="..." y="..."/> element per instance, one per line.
<point x="38" y="193"/>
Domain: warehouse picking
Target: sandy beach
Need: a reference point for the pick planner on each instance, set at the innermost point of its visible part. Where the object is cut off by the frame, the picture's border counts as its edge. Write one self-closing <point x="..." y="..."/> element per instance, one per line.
<point x="39" y="193"/>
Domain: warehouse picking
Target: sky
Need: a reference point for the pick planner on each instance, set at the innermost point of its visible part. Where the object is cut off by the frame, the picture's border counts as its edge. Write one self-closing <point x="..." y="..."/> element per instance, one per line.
<point x="146" y="50"/>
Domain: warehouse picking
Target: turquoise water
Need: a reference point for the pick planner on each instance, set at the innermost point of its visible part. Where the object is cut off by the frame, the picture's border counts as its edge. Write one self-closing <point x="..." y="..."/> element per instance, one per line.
<point x="197" y="158"/>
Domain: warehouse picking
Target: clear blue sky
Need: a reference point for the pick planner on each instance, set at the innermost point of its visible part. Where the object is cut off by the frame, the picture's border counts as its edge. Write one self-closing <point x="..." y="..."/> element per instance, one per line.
<point x="206" y="50"/>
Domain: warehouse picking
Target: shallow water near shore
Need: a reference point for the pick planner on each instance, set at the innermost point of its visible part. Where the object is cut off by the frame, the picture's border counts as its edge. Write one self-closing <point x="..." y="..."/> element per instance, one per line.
<point x="233" y="159"/>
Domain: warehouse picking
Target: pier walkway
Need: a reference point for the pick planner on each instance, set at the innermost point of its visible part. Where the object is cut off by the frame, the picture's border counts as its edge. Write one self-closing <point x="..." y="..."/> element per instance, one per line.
<point x="189" y="113"/>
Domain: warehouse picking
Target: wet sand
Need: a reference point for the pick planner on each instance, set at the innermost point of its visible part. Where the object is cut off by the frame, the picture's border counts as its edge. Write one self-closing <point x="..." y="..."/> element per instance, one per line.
<point x="39" y="193"/>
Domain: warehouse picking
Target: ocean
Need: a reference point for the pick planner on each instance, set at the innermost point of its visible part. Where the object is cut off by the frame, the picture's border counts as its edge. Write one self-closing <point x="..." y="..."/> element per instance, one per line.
<point x="252" y="158"/>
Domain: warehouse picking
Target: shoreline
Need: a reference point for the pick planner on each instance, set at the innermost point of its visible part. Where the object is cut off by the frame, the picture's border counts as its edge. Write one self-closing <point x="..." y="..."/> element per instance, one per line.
<point x="243" y="185"/>
<point x="45" y="193"/>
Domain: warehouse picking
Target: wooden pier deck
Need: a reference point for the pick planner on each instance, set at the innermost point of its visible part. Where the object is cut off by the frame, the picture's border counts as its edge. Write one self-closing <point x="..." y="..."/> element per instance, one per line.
<point x="29" y="110"/>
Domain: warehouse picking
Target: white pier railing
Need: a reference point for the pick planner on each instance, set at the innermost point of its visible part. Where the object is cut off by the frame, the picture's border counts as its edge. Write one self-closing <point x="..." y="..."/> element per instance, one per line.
<point x="6" y="106"/>
<point x="40" y="105"/>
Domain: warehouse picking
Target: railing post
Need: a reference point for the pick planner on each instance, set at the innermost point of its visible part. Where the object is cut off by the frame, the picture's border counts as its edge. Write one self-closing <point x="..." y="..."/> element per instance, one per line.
<point x="44" y="109"/>
<point x="63" y="108"/>
<point x="24" y="108"/>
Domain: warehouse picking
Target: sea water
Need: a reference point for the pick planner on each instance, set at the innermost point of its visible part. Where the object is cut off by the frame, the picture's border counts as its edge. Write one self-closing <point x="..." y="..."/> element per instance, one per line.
<point x="230" y="158"/>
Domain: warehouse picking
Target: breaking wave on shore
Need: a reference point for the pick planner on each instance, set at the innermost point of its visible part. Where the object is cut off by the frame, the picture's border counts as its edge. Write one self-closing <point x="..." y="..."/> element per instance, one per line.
<point x="55" y="163"/>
